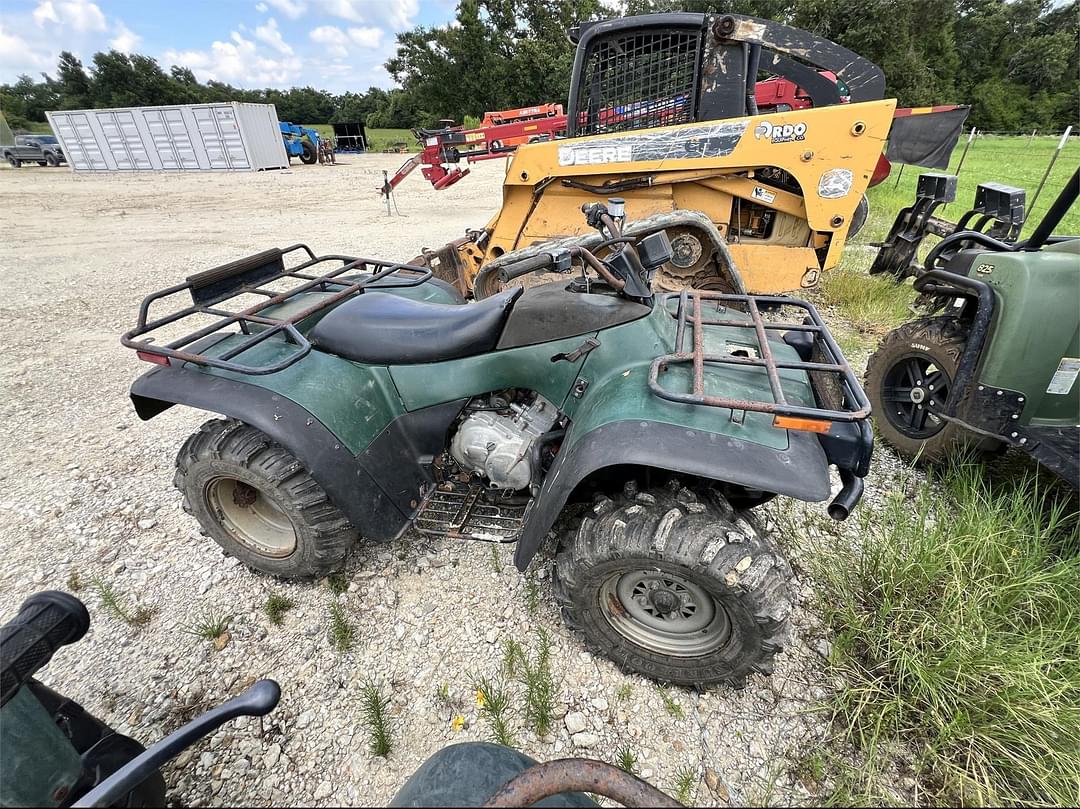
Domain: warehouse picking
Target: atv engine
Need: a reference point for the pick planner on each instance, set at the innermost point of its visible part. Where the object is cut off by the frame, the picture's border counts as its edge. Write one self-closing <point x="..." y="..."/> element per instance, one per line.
<point x="498" y="439"/>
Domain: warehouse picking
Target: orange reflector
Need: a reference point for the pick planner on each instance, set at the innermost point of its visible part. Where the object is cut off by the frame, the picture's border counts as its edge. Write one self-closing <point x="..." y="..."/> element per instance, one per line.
<point x="147" y="356"/>
<point x="808" y="425"/>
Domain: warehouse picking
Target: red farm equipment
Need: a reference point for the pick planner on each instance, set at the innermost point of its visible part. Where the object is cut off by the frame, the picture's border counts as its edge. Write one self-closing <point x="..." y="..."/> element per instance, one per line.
<point x="498" y="135"/>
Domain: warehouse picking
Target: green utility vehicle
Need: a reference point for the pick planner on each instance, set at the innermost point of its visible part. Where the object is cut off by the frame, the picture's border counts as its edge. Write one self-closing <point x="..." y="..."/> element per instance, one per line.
<point x="363" y="397"/>
<point x="995" y="362"/>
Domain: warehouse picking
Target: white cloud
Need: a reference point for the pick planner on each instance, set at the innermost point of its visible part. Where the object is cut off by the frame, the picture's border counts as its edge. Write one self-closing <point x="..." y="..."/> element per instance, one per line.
<point x="292" y="10"/>
<point x="237" y="61"/>
<point x="271" y="35"/>
<point x="44" y="13"/>
<point x="334" y="41"/>
<point x="261" y="7"/>
<point x="81" y="15"/>
<point x="126" y="40"/>
<point x="366" y="37"/>
<point x="18" y="55"/>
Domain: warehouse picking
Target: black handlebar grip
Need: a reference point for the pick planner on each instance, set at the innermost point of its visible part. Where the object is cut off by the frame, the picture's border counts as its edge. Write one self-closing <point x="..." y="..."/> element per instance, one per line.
<point x="46" y="621"/>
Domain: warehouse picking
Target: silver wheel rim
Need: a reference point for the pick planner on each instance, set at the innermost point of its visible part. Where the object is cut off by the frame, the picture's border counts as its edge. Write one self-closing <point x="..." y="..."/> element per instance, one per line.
<point x="251" y="518"/>
<point x="664" y="612"/>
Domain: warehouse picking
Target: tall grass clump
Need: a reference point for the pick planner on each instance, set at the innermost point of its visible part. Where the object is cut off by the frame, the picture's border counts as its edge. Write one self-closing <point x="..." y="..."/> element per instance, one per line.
<point x="872" y="304"/>
<point x="957" y="624"/>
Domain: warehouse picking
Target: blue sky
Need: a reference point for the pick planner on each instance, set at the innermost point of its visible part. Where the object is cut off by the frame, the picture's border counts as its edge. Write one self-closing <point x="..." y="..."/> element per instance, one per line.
<point x="332" y="44"/>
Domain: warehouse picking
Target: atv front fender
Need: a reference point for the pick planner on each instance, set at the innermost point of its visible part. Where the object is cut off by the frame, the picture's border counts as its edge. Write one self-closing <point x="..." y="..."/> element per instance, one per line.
<point x="800" y="471"/>
<point x="349" y="485"/>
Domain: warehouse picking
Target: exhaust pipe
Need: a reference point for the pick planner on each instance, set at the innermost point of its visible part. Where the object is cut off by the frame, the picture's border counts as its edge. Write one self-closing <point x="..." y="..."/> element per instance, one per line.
<point x="848" y="496"/>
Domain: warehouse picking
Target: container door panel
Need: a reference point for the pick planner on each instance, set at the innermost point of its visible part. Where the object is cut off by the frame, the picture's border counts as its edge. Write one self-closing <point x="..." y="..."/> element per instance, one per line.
<point x="80" y="145"/>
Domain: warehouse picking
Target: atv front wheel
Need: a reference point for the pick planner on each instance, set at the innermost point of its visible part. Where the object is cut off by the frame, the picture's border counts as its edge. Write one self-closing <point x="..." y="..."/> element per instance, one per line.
<point x="908" y="379"/>
<point x="259" y="503"/>
<point x="678" y="588"/>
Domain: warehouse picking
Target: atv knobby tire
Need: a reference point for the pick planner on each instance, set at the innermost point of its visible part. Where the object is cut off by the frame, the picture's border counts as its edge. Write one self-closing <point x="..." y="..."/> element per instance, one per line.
<point x="936" y="343"/>
<point x="610" y="571"/>
<point x="236" y="481"/>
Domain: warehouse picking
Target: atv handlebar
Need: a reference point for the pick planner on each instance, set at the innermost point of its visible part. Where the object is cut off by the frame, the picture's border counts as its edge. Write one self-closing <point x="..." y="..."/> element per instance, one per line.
<point x="46" y="621"/>
<point x="258" y="700"/>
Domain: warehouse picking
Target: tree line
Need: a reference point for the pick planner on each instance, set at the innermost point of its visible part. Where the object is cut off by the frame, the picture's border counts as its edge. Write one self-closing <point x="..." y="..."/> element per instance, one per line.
<point x="1017" y="63"/>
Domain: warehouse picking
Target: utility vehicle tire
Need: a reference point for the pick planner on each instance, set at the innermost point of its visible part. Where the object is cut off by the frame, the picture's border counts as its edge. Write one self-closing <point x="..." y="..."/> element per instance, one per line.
<point x="675" y="585"/>
<point x="858" y="219"/>
<point x="51" y="161"/>
<point x="259" y="503"/>
<point x="907" y="378"/>
<point x="310" y="156"/>
<point x="15" y="162"/>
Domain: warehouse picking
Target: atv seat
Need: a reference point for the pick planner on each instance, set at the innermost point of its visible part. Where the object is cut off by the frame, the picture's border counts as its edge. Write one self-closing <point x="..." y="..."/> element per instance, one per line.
<point x="378" y="328"/>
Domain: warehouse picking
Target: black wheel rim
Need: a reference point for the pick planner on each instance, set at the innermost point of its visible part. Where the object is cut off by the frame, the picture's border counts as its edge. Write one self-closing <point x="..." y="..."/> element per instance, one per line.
<point x="915" y="390"/>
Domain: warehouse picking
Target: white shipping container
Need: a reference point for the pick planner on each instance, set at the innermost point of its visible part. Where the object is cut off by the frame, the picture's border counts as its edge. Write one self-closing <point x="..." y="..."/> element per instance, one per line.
<point x="183" y="137"/>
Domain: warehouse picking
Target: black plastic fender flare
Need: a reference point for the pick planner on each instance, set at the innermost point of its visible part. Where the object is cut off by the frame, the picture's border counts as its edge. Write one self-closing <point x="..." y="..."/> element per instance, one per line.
<point x="347" y="482"/>
<point x="801" y="471"/>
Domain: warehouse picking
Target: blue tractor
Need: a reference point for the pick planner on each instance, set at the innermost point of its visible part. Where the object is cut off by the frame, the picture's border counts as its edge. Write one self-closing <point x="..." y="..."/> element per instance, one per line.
<point x="300" y="141"/>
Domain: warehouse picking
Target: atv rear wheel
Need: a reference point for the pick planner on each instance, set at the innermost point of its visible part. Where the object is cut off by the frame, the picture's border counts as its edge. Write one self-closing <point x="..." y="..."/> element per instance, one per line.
<point x="908" y="379"/>
<point x="259" y="503"/>
<point x="678" y="588"/>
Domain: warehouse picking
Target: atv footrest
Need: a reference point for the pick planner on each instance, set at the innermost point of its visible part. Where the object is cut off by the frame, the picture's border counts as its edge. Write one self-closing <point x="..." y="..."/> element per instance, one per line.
<point x="470" y="512"/>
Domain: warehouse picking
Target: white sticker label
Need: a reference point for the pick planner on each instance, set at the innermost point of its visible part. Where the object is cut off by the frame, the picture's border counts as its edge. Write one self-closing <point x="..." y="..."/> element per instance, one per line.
<point x="591" y="155"/>
<point x="1065" y="376"/>
<point x="764" y="194"/>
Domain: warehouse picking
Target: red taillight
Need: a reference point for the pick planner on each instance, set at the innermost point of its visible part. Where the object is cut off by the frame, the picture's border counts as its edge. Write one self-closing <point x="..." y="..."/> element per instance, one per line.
<point x="157" y="359"/>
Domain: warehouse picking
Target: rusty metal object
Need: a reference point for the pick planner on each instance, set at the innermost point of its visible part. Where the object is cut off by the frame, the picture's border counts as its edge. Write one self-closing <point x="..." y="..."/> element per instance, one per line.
<point x="578" y="775"/>
<point x="689" y="313"/>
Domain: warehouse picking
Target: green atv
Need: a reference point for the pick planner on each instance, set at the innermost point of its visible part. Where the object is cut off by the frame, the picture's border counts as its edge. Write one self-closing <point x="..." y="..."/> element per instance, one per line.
<point x="364" y="398"/>
<point x="995" y="362"/>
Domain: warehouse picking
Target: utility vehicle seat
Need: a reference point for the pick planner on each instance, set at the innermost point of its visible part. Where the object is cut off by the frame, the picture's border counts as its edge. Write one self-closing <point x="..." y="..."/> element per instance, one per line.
<point x="378" y="328"/>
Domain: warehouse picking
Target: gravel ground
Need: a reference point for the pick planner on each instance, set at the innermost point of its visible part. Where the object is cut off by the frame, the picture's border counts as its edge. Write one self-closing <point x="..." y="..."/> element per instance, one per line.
<point x="85" y="491"/>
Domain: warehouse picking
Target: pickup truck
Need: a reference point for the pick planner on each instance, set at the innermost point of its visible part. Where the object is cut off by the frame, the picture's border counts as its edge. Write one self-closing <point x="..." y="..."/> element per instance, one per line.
<point x="44" y="150"/>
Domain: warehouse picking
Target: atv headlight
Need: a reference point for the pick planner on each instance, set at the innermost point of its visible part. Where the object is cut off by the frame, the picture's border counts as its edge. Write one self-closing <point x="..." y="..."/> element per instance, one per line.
<point x="834" y="183"/>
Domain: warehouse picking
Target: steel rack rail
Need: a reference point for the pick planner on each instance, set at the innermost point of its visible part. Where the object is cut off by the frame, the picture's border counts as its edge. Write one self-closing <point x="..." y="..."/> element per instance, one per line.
<point x="851" y="402"/>
<point x="249" y="276"/>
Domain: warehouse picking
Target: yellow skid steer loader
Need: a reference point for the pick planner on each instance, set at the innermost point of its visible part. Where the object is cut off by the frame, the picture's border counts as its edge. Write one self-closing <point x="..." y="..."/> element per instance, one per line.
<point x="662" y="114"/>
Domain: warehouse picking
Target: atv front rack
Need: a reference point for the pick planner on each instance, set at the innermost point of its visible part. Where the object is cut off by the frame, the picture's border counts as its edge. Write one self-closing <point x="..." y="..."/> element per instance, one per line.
<point x="251" y="276"/>
<point x="832" y="379"/>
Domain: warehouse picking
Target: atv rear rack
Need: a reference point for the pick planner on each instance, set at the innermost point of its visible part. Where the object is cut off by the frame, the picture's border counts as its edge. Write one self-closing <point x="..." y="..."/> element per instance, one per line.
<point x="250" y="276"/>
<point x="832" y="379"/>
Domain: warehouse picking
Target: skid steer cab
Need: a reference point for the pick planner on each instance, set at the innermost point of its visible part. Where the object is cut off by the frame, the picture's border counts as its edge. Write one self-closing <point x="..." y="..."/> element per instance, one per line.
<point x="994" y="362"/>
<point x="363" y="398"/>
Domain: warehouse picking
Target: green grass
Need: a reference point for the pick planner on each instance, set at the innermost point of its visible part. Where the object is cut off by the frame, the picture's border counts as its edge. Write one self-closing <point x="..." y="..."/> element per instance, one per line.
<point x="341" y="631"/>
<point x="626" y="759"/>
<point x="535" y="675"/>
<point x="378" y="139"/>
<point x="114" y="603"/>
<point x="376" y="709"/>
<point x="622" y="694"/>
<point x="686" y="779"/>
<point x="1011" y="160"/>
<point x="956" y="622"/>
<point x="494" y="703"/>
<point x="870" y="304"/>
<point x="276" y="606"/>
<point x="337" y="583"/>
<point x="874" y="306"/>
<point x="673" y="708"/>
<point x="208" y="624"/>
